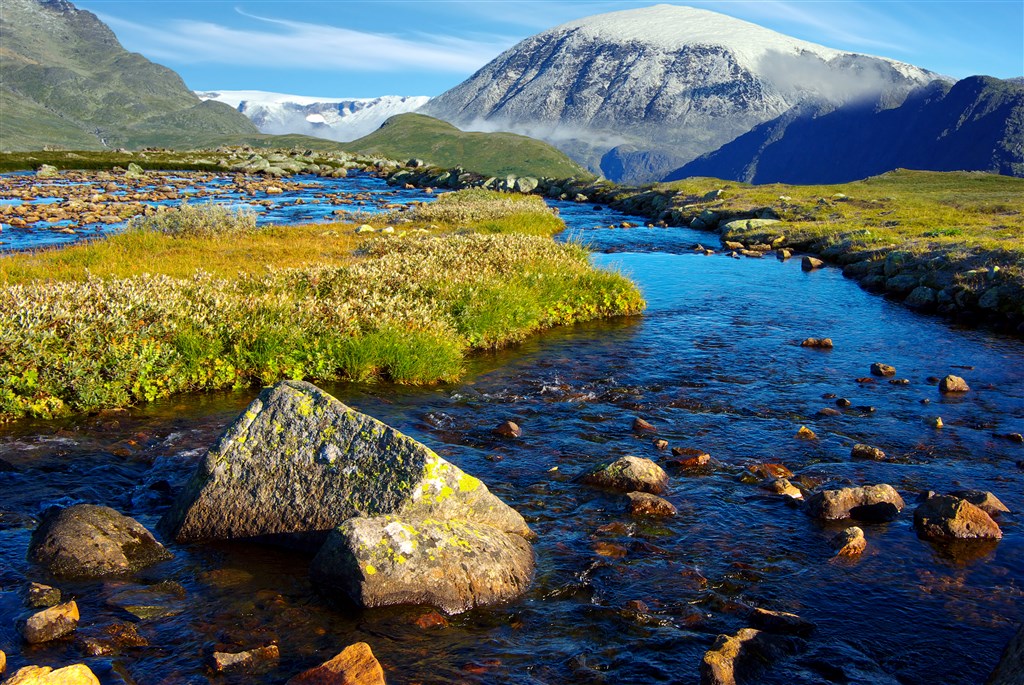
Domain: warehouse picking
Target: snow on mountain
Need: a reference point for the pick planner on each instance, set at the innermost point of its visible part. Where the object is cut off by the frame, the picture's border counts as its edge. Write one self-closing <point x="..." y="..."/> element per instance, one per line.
<point x="675" y="82"/>
<point x="341" y="119"/>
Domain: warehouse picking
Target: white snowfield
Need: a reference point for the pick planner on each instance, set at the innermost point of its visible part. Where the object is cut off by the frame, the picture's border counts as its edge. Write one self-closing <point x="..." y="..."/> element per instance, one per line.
<point x="340" y="119"/>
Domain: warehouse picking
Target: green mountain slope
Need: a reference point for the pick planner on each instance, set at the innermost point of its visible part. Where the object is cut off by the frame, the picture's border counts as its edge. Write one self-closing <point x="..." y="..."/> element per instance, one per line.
<point x="438" y="142"/>
<point x="66" y="81"/>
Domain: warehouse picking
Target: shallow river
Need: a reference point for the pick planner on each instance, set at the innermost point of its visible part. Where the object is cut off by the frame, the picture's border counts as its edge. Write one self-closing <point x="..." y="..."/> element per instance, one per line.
<point x="714" y="363"/>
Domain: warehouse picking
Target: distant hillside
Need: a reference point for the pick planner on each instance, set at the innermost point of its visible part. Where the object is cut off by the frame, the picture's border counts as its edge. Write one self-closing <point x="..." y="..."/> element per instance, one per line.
<point x="496" y="154"/>
<point x="976" y="124"/>
<point x="66" y="81"/>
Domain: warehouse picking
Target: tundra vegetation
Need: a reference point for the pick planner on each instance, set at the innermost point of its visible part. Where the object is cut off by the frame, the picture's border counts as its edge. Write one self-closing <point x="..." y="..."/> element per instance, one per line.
<point x="176" y="303"/>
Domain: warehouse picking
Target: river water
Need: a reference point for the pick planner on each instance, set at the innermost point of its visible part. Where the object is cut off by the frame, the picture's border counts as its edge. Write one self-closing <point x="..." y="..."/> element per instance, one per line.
<point x="715" y="364"/>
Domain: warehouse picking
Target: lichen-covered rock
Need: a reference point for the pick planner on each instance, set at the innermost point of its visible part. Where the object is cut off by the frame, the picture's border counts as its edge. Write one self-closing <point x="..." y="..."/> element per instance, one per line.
<point x="450" y="564"/>
<point x="945" y="517"/>
<point x="873" y="503"/>
<point x="1010" y="669"/>
<point x="862" y="451"/>
<point x="354" y="665"/>
<point x="50" y="624"/>
<point x="850" y="542"/>
<point x="39" y="596"/>
<point x="629" y="474"/>
<point x="251" y="661"/>
<point x="299" y="461"/>
<point x="953" y="384"/>
<point x="737" y="657"/>
<point x="78" y="674"/>
<point x="646" y="504"/>
<point x="89" y="541"/>
<point x="984" y="500"/>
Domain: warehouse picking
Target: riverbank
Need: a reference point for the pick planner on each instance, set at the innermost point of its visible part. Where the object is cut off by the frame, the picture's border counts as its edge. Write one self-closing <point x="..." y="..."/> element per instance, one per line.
<point x="951" y="243"/>
<point x="158" y="310"/>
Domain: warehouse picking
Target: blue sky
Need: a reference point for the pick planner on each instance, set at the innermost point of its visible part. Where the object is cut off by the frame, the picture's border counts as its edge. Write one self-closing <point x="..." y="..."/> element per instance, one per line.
<point x="359" y="48"/>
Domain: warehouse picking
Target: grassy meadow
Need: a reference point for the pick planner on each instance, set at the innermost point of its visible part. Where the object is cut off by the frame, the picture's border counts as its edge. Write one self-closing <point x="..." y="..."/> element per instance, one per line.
<point x="175" y="305"/>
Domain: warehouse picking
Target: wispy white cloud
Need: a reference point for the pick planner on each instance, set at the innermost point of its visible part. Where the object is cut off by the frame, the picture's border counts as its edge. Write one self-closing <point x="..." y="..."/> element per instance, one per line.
<point x="286" y="43"/>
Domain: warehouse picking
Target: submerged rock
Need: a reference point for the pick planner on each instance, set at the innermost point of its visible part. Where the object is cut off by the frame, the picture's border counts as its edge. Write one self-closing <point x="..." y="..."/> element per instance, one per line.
<point x="39" y="596"/>
<point x="1010" y="669"/>
<point x="862" y="451"/>
<point x="89" y="541"/>
<point x="736" y="658"/>
<point x="873" y="503"/>
<point x="629" y="474"/>
<point x="453" y="565"/>
<point x="354" y="665"/>
<point x="252" y="661"/>
<point x="298" y="461"/>
<point x="945" y="517"/>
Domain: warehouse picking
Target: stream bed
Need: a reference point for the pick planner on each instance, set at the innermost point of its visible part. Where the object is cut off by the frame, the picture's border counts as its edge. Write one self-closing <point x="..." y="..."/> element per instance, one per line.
<point x="715" y="364"/>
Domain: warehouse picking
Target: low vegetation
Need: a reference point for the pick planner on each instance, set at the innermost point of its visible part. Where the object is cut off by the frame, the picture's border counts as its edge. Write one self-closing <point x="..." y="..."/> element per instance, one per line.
<point x="158" y="310"/>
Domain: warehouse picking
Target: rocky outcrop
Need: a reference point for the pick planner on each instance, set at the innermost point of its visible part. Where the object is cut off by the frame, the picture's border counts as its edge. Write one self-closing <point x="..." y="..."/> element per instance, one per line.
<point x="872" y="503"/>
<point x="629" y="474"/>
<point x="736" y="658"/>
<point x="354" y="665"/>
<point x="89" y="541"/>
<point x="945" y="517"/>
<point x="298" y="461"/>
<point x="450" y="564"/>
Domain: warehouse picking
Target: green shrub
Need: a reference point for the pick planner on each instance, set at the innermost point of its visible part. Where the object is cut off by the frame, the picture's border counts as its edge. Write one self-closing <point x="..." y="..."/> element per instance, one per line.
<point x="207" y="220"/>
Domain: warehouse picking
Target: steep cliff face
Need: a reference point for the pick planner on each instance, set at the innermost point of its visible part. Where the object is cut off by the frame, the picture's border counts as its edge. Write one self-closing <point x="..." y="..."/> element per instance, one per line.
<point x="67" y="81"/>
<point x="675" y="81"/>
<point x="975" y="125"/>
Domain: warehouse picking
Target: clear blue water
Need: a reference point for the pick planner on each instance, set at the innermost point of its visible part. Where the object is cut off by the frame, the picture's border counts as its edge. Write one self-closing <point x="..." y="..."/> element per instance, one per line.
<point x="714" y="363"/>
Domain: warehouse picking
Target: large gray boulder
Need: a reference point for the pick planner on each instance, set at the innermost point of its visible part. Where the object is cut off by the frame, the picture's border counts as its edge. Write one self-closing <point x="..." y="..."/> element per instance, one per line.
<point x="873" y="503"/>
<point x="89" y="541"/>
<point x="399" y="523"/>
<point x="298" y="461"/>
<point x="453" y="565"/>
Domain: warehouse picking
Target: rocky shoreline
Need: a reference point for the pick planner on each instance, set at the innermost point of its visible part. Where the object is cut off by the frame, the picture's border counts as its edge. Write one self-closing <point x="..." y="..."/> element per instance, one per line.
<point x="971" y="287"/>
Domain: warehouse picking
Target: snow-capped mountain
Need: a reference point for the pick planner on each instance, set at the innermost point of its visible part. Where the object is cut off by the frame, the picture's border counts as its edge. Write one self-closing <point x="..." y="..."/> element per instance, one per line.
<point x="341" y="119"/>
<point x="674" y="81"/>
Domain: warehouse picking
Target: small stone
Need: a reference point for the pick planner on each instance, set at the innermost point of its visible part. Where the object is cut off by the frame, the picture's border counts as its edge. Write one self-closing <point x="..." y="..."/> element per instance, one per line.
<point x="782" y="486"/>
<point x="252" y="661"/>
<point x="642" y="426"/>
<point x="509" y="429"/>
<point x="820" y="343"/>
<point x="946" y="517"/>
<point x="39" y="596"/>
<point x="935" y="422"/>
<point x="884" y="370"/>
<point x="783" y="254"/>
<point x="629" y="474"/>
<point x="355" y="665"/>
<point x="843" y="402"/>
<point x="1014" y="437"/>
<point x="660" y="444"/>
<point x="806" y="433"/>
<point x="50" y="624"/>
<point x="829" y="411"/>
<point x="952" y="384"/>
<point x="78" y="674"/>
<point x="811" y="263"/>
<point x="899" y="381"/>
<point x="3" y="662"/>
<point x="850" y="542"/>
<point x="861" y="451"/>
<point x="646" y="504"/>
<point x="781" y="622"/>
